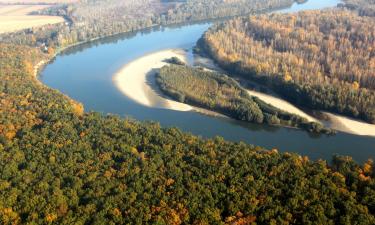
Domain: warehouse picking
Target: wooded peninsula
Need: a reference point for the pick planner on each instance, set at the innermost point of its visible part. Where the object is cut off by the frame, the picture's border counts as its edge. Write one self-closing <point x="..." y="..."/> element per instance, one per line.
<point x="218" y="92"/>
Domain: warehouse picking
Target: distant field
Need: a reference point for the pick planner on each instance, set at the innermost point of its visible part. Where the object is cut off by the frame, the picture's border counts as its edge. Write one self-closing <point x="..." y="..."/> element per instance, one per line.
<point x="36" y="1"/>
<point x="15" y="17"/>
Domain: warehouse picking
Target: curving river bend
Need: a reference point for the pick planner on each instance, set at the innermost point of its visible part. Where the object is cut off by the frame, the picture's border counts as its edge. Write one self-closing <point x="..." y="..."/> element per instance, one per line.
<point x="85" y="73"/>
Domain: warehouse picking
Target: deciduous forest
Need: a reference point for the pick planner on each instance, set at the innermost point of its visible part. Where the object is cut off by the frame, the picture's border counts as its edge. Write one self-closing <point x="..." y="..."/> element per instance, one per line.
<point x="318" y="59"/>
<point x="364" y="7"/>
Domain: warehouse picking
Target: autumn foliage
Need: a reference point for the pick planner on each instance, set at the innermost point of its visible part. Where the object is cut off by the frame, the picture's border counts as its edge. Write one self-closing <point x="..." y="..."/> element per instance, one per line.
<point x="317" y="59"/>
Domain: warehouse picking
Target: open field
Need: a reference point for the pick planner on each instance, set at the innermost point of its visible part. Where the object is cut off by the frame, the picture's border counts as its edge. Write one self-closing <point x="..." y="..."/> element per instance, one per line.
<point x="16" y="17"/>
<point x="32" y="2"/>
<point x="19" y="10"/>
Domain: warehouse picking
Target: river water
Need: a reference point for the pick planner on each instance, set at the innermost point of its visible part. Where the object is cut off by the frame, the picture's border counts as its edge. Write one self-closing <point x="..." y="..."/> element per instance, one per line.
<point x="85" y="73"/>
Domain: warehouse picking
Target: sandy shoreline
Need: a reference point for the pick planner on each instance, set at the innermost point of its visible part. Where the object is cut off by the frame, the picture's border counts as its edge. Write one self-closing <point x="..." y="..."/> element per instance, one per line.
<point x="282" y="104"/>
<point x="136" y="81"/>
<point x="350" y="125"/>
<point x="336" y="122"/>
<point x="38" y="67"/>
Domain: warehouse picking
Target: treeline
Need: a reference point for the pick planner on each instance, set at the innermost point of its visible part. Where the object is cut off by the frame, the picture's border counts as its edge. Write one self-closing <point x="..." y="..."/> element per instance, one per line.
<point x="318" y="59"/>
<point x="195" y="10"/>
<point x="221" y="93"/>
<point x="59" y="165"/>
<point x="87" y="20"/>
<point x="364" y="7"/>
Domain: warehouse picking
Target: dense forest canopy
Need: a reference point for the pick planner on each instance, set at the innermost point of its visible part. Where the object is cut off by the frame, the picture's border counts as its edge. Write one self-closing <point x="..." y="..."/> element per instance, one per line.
<point x="62" y="166"/>
<point x="321" y="59"/>
<point x="218" y="92"/>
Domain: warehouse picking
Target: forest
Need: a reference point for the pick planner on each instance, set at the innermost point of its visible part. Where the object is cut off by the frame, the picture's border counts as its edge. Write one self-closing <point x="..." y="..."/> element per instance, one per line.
<point x="60" y="165"/>
<point x="317" y="59"/>
<point x="364" y="7"/>
<point x="218" y="92"/>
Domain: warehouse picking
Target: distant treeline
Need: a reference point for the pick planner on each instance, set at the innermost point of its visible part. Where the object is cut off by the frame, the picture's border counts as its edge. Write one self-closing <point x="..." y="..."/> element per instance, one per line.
<point x="364" y="7"/>
<point x="59" y="165"/>
<point x="221" y="93"/>
<point x="87" y="20"/>
<point x="318" y="59"/>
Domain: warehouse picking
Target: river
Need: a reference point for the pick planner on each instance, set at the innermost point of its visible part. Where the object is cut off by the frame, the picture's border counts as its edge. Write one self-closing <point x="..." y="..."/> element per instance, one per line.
<point x="85" y="72"/>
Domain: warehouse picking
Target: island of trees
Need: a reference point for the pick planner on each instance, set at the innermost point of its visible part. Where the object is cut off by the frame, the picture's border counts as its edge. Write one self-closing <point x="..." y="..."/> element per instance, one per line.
<point x="319" y="59"/>
<point x="218" y="92"/>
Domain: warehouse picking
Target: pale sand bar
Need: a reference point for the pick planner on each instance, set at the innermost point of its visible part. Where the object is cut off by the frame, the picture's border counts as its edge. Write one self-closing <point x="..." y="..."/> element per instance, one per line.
<point x="135" y="80"/>
<point x="281" y="104"/>
<point x="350" y="125"/>
<point x="337" y="122"/>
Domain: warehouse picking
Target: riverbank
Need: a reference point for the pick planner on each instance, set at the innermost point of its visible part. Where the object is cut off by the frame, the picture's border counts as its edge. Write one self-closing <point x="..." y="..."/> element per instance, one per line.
<point x="335" y="121"/>
<point x="282" y="104"/>
<point x="38" y="67"/>
<point x="350" y="125"/>
<point x="268" y="98"/>
<point x="136" y="81"/>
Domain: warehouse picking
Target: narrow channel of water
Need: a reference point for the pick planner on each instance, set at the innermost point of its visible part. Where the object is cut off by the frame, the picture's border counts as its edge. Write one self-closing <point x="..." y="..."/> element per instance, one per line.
<point x="85" y="73"/>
